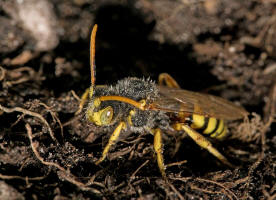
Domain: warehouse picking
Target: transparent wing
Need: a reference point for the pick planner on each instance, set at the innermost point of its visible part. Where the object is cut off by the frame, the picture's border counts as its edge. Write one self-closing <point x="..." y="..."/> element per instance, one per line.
<point x="178" y="100"/>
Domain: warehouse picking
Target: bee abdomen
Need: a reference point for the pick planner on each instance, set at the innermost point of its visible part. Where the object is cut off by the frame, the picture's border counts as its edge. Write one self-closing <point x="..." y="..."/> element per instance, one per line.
<point x="210" y="126"/>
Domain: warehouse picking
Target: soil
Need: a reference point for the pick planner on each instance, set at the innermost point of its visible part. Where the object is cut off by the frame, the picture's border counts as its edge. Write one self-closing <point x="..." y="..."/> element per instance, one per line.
<point x="225" y="48"/>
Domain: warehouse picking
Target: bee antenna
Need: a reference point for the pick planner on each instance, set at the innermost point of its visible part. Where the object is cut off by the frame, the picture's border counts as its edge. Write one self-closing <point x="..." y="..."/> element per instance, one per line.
<point x="92" y="60"/>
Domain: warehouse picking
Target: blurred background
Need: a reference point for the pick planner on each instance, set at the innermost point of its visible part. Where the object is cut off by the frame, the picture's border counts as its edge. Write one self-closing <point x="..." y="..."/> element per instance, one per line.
<point x="202" y="44"/>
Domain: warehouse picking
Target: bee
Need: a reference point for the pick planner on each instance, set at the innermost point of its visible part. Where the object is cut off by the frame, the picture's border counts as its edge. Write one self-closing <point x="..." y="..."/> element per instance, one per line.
<point x="141" y="106"/>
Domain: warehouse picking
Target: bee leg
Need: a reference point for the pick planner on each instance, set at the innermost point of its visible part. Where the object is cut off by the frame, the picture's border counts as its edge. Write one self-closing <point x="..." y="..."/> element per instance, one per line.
<point x="112" y="140"/>
<point x="204" y="143"/>
<point x="84" y="97"/>
<point x="158" y="148"/>
<point x="168" y="80"/>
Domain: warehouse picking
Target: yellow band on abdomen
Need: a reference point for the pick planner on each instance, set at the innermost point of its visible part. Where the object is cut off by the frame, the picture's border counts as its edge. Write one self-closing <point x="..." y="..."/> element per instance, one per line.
<point x="218" y="130"/>
<point x="211" y="125"/>
<point x="208" y="125"/>
<point x="198" y="121"/>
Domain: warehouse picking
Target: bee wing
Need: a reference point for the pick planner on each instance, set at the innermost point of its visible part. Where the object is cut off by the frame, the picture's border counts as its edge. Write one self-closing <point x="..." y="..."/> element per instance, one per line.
<point x="178" y="100"/>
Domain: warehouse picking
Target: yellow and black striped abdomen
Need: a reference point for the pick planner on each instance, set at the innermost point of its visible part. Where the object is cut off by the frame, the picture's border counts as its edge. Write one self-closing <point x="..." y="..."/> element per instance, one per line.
<point x="210" y="126"/>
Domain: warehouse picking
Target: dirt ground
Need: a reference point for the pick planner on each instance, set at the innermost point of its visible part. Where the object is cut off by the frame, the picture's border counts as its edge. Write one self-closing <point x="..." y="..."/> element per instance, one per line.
<point x="225" y="48"/>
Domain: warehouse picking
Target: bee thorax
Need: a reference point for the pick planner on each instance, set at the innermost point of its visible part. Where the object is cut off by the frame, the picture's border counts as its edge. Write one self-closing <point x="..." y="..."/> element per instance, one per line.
<point x="143" y="121"/>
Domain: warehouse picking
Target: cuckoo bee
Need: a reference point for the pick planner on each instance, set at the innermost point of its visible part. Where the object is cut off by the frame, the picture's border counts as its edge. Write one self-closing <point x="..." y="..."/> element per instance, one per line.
<point x="140" y="105"/>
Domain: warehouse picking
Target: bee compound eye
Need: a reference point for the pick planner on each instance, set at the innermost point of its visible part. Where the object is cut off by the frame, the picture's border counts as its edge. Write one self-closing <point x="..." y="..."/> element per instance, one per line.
<point x="106" y="115"/>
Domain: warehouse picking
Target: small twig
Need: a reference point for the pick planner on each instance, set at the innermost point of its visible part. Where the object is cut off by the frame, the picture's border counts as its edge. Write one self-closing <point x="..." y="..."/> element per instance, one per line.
<point x="220" y="185"/>
<point x="22" y="79"/>
<point x="208" y="181"/>
<point x="22" y="166"/>
<point x="134" y="173"/>
<point x="27" y="112"/>
<point x="120" y="153"/>
<point x="75" y="95"/>
<point x="70" y="178"/>
<point x="16" y="82"/>
<point x="9" y="177"/>
<point x="92" y="182"/>
<point x="34" y="145"/>
<point x="175" y="191"/>
<point x="176" y="163"/>
<point x="240" y="181"/>
<point x="63" y="172"/>
<point x="193" y="187"/>
<point x="21" y="116"/>
<point x="3" y="73"/>
<point x="54" y="116"/>
<point x="114" y="188"/>
<point x="18" y="119"/>
<point x="136" y="140"/>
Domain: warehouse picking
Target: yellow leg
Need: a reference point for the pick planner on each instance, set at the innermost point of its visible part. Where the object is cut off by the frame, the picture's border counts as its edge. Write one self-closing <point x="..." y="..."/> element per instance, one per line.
<point x="204" y="143"/>
<point x="84" y="97"/>
<point x="159" y="151"/>
<point x="112" y="140"/>
<point x="169" y="81"/>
